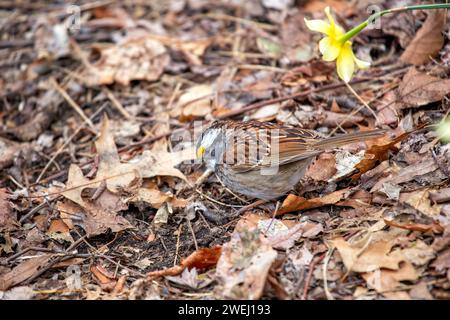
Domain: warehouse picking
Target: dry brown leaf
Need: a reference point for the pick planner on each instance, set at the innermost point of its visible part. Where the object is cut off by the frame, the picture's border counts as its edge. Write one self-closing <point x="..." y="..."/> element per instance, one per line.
<point x="244" y="265"/>
<point x="194" y="103"/>
<point x="100" y="214"/>
<point x="377" y="153"/>
<point x="323" y="168"/>
<point x="141" y="58"/>
<point x="103" y="277"/>
<point x="442" y="262"/>
<point x="111" y="17"/>
<point x="387" y="280"/>
<point x="281" y="234"/>
<point x="201" y="259"/>
<point x="406" y="174"/>
<point x="420" y="292"/>
<point x="428" y="41"/>
<point x="157" y="198"/>
<point x="23" y="271"/>
<point x="365" y="258"/>
<point x="420" y="201"/>
<point x="435" y="227"/>
<point x="418" y="253"/>
<point x="296" y="203"/>
<point x="162" y="163"/>
<point x="418" y="89"/>
<point x="8" y="220"/>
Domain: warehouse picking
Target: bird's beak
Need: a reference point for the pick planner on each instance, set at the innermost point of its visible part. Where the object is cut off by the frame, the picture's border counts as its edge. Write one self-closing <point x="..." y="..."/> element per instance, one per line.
<point x="200" y="152"/>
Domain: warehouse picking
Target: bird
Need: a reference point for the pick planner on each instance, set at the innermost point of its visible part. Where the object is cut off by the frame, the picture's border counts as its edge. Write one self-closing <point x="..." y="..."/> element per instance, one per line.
<point x="264" y="160"/>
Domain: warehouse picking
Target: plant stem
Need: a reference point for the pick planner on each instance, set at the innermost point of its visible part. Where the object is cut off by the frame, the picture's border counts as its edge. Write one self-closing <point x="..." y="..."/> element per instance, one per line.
<point x="353" y="32"/>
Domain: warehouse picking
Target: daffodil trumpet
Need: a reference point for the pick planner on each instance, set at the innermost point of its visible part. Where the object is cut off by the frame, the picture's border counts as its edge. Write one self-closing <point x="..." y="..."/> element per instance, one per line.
<point x="336" y="44"/>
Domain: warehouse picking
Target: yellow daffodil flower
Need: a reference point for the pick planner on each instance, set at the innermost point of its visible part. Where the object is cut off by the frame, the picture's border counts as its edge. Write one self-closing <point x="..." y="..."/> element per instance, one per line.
<point x="336" y="46"/>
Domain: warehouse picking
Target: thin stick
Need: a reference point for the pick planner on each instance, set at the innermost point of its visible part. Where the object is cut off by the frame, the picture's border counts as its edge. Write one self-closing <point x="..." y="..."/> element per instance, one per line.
<point x="178" y="245"/>
<point x="325" y="273"/>
<point x="273" y="216"/>
<point x="218" y="202"/>
<point x="116" y="103"/>
<point x="192" y="232"/>
<point x="73" y="104"/>
<point x="361" y="100"/>
<point x="312" y="266"/>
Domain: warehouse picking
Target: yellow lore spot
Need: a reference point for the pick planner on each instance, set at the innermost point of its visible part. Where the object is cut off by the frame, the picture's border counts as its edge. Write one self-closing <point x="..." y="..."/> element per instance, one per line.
<point x="200" y="152"/>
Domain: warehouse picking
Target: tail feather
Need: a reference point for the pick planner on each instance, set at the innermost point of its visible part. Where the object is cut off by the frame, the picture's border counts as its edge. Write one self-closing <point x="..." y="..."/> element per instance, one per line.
<point x="341" y="140"/>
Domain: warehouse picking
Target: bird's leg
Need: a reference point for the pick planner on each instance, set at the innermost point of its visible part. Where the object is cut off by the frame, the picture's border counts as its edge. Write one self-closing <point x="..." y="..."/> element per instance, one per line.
<point x="203" y="177"/>
<point x="273" y="216"/>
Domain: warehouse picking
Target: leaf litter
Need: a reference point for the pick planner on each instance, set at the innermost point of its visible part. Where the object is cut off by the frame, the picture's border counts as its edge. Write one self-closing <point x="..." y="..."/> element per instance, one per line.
<point x="96" y="211"/>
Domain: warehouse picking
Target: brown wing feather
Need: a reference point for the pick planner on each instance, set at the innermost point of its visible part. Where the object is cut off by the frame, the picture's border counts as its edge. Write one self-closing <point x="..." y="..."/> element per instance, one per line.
<point x="264" y="144"/>
<point x="260" y="142"/>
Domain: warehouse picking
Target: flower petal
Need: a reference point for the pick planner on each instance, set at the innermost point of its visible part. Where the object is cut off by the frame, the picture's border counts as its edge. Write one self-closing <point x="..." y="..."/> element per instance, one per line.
<point x="329" y="16"/>
<point x="345" y="63"/>
<point x="361" y="64"/>
<point x="329" y="49"/>
<point x="317" y="25"/>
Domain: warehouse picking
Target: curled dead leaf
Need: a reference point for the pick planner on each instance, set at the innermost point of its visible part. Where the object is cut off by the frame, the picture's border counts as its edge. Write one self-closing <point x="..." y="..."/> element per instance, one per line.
<point x="201" y="259"/>
<point x="296" y="203"/>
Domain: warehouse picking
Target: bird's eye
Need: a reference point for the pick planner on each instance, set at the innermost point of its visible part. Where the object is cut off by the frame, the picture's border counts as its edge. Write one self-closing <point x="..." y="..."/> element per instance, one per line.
<point x="213" y="153"/>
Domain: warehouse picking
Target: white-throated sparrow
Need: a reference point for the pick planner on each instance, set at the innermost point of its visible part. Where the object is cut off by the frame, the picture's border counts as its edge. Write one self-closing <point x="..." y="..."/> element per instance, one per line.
<point x="265" y="160"/>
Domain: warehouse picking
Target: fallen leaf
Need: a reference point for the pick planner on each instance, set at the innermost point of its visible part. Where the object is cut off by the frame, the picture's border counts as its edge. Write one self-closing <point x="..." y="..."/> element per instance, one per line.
<point x="103" y="277"/>
<point x="420" y="201"/>
<point x="194" y="103"/>
<point x="323" y="168"/>
<point x="100" y="214"/>
<point x="8" y="220"/>
<point x="388" y="280"/>
<point x="345" y="163"/>
<point x="442" y="262"/>
<point x="418" y="253"/>
<point x="244" y="265"/>
<point x="406" y="174"/>
<point x="161" y="217"/>
<point x="18" y="293"/>
<point x="157" y="198"/>
<point x="420" y="292"/>
<point x="23" y="271"/>
<point x="440" y="196"/>
<point x="362" y="258"/>
<point x="418" y="89"/>
<point x="58" y="230"/>
<point x="266" y="113"/>
<point x="111" y="17"/>
<point x="281" y="234"/>
<point x="141" y="58"/>
<point x="296" y="203"/>
<point x="428" y="40"/>
<point x="200" y="259"/>
<point x="375" y="154"/>
<point x="420" y="227"/>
